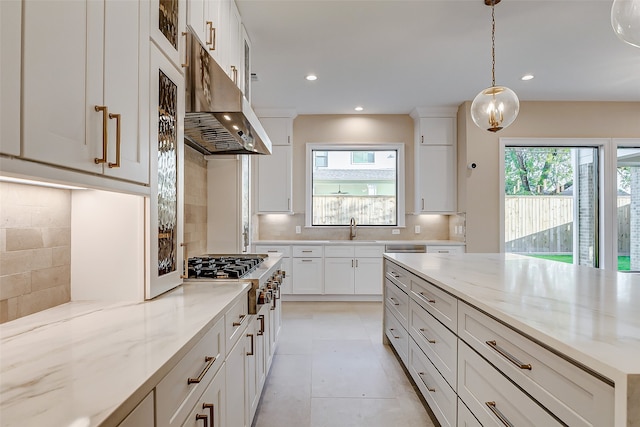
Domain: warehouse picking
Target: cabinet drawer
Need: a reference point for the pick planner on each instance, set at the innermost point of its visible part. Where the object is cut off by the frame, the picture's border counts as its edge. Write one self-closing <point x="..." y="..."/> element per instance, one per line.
<point x="445" y="249"/>
<point x="465" y="417"/>
<point x="397" y="275"/>
<point x="210" y="409"/>
<point x="268" y="249"/>
<point x="180" y="389"/>
<point x="440" y="304"/>
<point x="437" y="342"/>
<point x="339" y="251"/>
<point x="367" y="251"/>
<point x="235" y="322"/>
<point x="397" y="335"/>
<point x="489" y="395"/>
<point x="307" y="251"/>
<point x="398" y="302"/>
<point x="438" y="394"/>
<point x="572" y="394"/>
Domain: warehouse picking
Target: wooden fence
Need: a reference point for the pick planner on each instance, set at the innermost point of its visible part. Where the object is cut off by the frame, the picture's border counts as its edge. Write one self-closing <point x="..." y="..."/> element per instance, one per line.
<point x="545" y="224"/>
<point x="365" y="209"/>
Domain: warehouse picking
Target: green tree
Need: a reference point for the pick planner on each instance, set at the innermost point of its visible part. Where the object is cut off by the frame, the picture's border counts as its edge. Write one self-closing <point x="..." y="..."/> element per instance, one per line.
<point x="537" y="170"/>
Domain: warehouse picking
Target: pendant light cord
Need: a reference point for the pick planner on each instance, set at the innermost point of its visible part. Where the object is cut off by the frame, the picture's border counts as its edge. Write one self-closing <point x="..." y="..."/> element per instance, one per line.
<point x="493" y="44"/>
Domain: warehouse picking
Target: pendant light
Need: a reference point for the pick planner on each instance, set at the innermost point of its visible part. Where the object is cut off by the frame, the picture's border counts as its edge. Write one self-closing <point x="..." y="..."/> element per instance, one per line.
<point x="496" y="107"/>
<point x="625" y="20"/>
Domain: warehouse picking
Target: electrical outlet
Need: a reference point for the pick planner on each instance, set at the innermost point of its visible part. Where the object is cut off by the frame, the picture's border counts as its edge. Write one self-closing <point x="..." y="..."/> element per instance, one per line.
<point x="395" y="231"/>
<point x="298" y="229"/>
<point x="417" y="229"/>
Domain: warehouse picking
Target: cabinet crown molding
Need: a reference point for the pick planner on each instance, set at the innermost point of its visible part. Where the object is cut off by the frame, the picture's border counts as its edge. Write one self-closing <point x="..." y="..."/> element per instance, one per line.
<point x="419" y="112"/>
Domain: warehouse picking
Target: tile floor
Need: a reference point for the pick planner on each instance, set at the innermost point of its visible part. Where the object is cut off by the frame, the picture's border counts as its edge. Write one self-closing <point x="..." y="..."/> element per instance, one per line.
<point x="331" y="369"/>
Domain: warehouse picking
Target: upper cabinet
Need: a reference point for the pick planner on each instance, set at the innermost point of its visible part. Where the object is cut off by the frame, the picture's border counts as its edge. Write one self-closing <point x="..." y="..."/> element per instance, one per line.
<point x="235" y="45"/>
<point x="435" y="165"/>
<point x="82" y="107"/>
<point x="10" y="27"/>
<point x="167" y="24"/>
<point x="204" y="17"/>
<point x="279" y="129"/>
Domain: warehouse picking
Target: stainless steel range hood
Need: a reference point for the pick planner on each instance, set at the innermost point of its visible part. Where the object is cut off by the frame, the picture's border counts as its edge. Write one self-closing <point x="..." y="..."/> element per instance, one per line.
<point x="218" y="119"/>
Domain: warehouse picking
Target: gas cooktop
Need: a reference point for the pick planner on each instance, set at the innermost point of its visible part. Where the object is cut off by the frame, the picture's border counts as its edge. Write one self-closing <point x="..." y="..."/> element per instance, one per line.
<point x="223" y="266"/>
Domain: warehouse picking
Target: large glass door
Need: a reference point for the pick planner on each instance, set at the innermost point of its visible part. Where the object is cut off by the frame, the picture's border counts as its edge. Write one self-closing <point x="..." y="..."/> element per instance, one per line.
<point x="628" y="208"/>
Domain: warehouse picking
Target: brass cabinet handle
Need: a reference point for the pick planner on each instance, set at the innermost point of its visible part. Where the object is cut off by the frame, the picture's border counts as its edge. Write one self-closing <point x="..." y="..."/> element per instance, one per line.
<point x="261" y="319"/>
<point x="498" y="414"/>
<point x="250" y="353"/>
<point x="394" y="274"/>
<point x="185" y="64"/>
<point x="210" y="407"/>
<point x="393" y="301"/>
<point x="508" y="356"/>
<point x="273" y="306"/>
<point x="210" y="25"/>
<point x="426" y="298"/>
<point x="356" y="263"/>
<point x="242" y="316"/>
<point x="234" y="71"/>
<point x="105" y="114"/>
<point x="213" y="36"/>
<point x="422" y="331"/>
<point x="431" y="389"/>
<point x="392" y="334"/>
<point x="202" y="417"/>
<point x="352" y="264"/>
<point x="209" y="360"/>
<point x="185" y="273"/>
<point x="118" y="139"/>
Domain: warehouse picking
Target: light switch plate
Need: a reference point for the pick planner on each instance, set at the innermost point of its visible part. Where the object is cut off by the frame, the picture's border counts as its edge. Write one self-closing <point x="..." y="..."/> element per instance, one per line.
<point x="395" y="231"/>
<point x="417" y="229"/>
<point x="298" y="229"/>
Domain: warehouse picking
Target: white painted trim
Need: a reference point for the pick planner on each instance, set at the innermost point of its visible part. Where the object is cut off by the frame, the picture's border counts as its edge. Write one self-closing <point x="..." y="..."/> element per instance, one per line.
<point x="401" y="199"/>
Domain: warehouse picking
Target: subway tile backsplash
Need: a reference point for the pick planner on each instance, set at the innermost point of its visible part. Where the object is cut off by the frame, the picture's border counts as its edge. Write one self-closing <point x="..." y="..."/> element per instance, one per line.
<point x="35" y="249"/>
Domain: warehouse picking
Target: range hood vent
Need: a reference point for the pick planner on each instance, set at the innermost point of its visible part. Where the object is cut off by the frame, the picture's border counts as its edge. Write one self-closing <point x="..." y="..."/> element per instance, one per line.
<point x="218" y="118"/>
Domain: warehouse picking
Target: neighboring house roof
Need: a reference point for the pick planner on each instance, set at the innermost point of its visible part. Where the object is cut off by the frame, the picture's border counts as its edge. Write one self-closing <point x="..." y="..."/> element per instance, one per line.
<point x="354" y="174"/>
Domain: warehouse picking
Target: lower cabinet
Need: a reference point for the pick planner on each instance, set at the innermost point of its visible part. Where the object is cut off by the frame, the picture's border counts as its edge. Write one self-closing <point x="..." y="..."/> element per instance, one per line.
<point x="308" y="273"/>
<point x="352" y="269"/>
<point x="465" y="417"/>
<point x="210" y="411"/>
<point x="236" y="368"/>
<point x="142" y="415"/>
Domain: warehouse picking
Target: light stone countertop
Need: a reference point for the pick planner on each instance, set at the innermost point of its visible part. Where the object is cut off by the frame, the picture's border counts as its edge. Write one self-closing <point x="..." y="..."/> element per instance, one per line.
<point x="360" y="242"/>
<point x="89" y="363"/>
<point x="586" y="314"/>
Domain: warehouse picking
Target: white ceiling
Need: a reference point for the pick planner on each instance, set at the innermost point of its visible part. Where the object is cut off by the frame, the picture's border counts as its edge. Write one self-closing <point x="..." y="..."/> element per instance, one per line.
<point x="391" y="56"/>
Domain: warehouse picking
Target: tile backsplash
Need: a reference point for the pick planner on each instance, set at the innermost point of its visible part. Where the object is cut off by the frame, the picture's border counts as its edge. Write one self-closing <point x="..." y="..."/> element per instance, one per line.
<point x="35" y="249"/>
<point x="195" y="202"/>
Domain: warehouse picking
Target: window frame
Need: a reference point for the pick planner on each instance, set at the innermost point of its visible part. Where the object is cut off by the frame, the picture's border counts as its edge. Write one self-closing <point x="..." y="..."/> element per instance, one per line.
<point x="400" y="178"/>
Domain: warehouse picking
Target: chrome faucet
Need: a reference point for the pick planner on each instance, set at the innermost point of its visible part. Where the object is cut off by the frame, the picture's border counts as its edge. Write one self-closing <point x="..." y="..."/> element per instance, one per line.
<point x="352" y="228"/>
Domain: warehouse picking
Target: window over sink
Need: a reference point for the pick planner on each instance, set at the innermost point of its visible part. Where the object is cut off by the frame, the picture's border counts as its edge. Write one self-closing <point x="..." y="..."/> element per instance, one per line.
<point x="364" y="182"/>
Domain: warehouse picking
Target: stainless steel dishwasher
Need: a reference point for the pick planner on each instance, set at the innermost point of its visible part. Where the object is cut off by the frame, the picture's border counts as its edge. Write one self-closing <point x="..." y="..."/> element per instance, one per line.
<point x="398" y="248"/>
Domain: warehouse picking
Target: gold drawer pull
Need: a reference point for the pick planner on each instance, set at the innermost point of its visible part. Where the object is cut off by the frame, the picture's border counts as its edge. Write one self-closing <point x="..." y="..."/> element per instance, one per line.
<point x="432" y="390"/>
<point x="508" y="356"/>
<point x="498" y="414"/>
<point x="242" y="316"/>
<point x="393" y="301"/>
<point x="185" y="64"/>
<point x="210" y="407"/>
<point x="209" y="360"/>
<point x="209" y="24"/>
<point x="392" y="334"/>
<point x="394" y="274"/>
<point x="118" y="139"/>
<point x="105" y="114"/>
<point x="203" y="418"/>
<point x="213" y="37"/>
<point x="250" y="353"/>
<point x="425" y="337"/>
<point x="261" y="319"/>
<point x="426" y="298"/>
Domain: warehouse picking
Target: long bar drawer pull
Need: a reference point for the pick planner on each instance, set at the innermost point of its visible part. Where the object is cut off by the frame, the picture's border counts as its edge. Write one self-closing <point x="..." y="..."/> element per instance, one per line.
<point x="426" y="298"/>
<point x="242" y="316"/>
<point x="393" y="301"/>
<point x="508" y="356"/>
<point x="211" y="408"/>
<point x="307" y="251"/>
<point x="250" y="353"/>
<point x="261" y="319"/>
<point x="394" y="274"/>
<point x="392" y="334"/>
<point x="432" y="390"/>
<point x="425" y="337"/>
<point x="497" y="413"/>
<point x="203" y="418"/>
<point x="209" y="360"/>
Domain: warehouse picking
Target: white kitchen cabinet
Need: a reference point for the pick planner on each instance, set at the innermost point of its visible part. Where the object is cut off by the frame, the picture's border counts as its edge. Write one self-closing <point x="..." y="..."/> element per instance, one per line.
<point x="168" y="22"/>
<point x="10" y="44"/>
<point x="166" y="206"/>
<point x="308" y="274"/>
<point x="211" y="408"/>
<point x="445" y="249"/>
<point x="237" y="375"/>
<point x="465" y="417"/>
<point x="142" y="416"/>
<point x="234" y="45"/>
<point x="274" y="184"/>
<point x="279" y="129"/>
<point x="353" y="269"/>
<point x="84" y="106"/>
<point x="245" y="74"/>
<point x="285" y="251"/>
<point x="435" y="165"/>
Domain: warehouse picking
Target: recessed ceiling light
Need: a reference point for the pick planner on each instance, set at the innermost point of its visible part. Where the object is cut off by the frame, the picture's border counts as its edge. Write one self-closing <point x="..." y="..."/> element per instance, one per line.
<point x="311" y="77"/>
<point x="526" y="77"/>
<point x="358" y="108"/>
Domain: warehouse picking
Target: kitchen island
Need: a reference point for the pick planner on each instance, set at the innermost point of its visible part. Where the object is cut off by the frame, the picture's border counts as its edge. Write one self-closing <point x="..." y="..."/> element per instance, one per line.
<point x="87" y="364"/>
<point x="577" y="318"/>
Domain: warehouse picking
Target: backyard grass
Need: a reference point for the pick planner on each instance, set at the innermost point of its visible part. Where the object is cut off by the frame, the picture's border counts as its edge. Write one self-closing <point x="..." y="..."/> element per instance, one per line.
<point x="624" y="262"/>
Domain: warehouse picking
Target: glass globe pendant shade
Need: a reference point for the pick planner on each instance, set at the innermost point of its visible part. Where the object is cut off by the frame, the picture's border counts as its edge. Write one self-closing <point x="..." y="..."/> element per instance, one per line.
<point x="625" y="20"/>
<point x="495" y="108"/>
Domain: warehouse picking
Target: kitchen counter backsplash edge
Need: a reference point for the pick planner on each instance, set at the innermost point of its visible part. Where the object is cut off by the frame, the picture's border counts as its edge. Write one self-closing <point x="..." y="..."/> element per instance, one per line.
<point x="360" y="242"/>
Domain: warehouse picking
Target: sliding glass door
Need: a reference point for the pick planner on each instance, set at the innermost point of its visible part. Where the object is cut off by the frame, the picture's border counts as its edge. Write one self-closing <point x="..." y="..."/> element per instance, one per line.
<point x="628" y="207"/>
